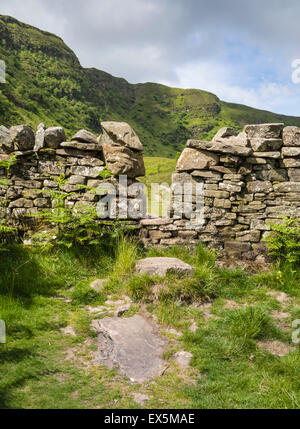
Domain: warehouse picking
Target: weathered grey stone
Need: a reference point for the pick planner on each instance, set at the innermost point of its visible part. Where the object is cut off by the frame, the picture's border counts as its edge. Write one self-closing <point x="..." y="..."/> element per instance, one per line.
<point x="22" y="137"/>
<point x="157" y="235"/>
<point x="182" y="178"/>
<point x="266" y="145"/>
<point x="85" y="136"/>
<point x="291" y="162"/>
<point x="187" y="235"/>
<point x="156" y="222"/>
<point x="50" y="184"/>
<point x="81" y="146"/>
<point x="236" y="248"/>
<point x="287" y="187"/>
<point x="256" y="160"/>
<point x="232" y="149"/>
<point x="273" y="175"/>
<point x="230" y="159"/>
<point x="6" y="143"/>
<point x="216" y="194"/>
<point x="76" y="180"/>
<point x="259" y="186"/>
<point x="132" y="345"/>
<point x="260" y="225"/>
<point x="294" y="174"/>
<point x="54" y="136"/>
<point x="39" y="137"/>
<point x="230" y="187"/>
<point x="290" y="151"/>
<point x="121" y="134"/>
<point x="90" y="162"/>
<point x="206" y="174"/>
<point x="30" y="193"/>
<point x="71" y="188"/>
<point x="94" y="183"/>
<point x="278" y="211"/>
<point x="233" y="177"/>
<point x="176" y="241"/>
<point x="192" y="159"/>
<point x="162" y="266"/>
<point x="122" y="160"/>
<point x="273" y="155"/>
<point x="291" y="136"/>
<point x="248" y="236"/>
<point x="28" y="183"/>
<point x="221" y="169"/>
<point x="71" y="152"/>
<point x="42" y="203"/>
<point x="265" y="131"/>
<point x="92" y="172"/>
<point x="239" y="139"/>
<point x="21" y="203"/>
<point x="221" y="203"/>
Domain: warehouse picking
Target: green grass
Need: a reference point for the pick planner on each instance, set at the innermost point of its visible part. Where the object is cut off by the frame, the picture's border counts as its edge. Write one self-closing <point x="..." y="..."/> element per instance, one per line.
<point x="44" y="368"/>
<point x="158" y="171"/>
<point x="46" y="83"/>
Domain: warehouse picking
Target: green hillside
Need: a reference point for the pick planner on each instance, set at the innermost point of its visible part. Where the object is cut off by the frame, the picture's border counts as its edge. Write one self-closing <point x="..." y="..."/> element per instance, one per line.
<point x="45" y="82"/>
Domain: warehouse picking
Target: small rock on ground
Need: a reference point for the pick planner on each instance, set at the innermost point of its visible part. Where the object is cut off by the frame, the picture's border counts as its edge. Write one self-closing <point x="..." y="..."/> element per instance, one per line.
<point x="183" y="359"/>
<point x="194" y="327"/>
<point x="98" y="284"/>
<point x="162" y="266"/>
<point x="173" y="331"/>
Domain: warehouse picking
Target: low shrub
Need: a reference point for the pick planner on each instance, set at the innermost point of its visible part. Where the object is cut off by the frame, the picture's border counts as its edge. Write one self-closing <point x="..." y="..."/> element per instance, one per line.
<point x="284" y="240"/>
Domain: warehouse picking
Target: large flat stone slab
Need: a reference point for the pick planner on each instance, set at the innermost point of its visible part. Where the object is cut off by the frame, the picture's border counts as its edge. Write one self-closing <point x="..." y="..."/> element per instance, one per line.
<point x="163" y="266"/>
<point x="131" y="344"/>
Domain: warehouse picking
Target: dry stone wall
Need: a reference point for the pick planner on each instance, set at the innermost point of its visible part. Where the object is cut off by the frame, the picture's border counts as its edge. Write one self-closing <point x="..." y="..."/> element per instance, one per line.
<point x="250" y="179"/>
<point x="45" y="155"/>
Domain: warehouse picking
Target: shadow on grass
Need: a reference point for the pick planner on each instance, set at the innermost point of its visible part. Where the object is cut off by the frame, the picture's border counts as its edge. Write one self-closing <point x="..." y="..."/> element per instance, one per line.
<point x="21" y="274"/>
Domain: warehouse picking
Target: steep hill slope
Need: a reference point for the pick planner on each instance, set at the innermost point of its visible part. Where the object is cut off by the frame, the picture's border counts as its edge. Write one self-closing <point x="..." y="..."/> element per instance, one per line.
<point x="45" y="82"/>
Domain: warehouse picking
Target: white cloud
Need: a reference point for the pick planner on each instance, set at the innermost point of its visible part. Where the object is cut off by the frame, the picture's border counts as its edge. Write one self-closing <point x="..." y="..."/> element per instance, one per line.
<point x="182" y="42"/>
<point x="219" y="79"/>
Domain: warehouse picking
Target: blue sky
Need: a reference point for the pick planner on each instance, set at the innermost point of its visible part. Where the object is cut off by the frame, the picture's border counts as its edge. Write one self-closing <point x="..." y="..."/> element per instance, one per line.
<point x="242" y="51"/>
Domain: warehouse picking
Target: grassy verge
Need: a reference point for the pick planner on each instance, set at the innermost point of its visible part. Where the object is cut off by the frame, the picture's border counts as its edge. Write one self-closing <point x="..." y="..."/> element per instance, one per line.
<point x="221" y="316"/>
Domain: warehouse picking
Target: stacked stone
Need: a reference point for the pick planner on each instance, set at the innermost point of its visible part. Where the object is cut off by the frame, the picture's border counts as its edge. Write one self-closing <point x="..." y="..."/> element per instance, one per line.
<point x="250" y="179"/>
<point x="46" y="154"/>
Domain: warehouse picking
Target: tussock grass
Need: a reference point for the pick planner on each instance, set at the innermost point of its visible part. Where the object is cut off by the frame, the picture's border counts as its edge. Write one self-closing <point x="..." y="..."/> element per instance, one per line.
<point x="249" y="322"/>
<point x="126" y="255"/>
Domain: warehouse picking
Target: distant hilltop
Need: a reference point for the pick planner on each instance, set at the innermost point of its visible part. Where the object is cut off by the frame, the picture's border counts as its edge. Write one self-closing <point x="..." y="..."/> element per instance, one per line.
<point x="45" y="82"/>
